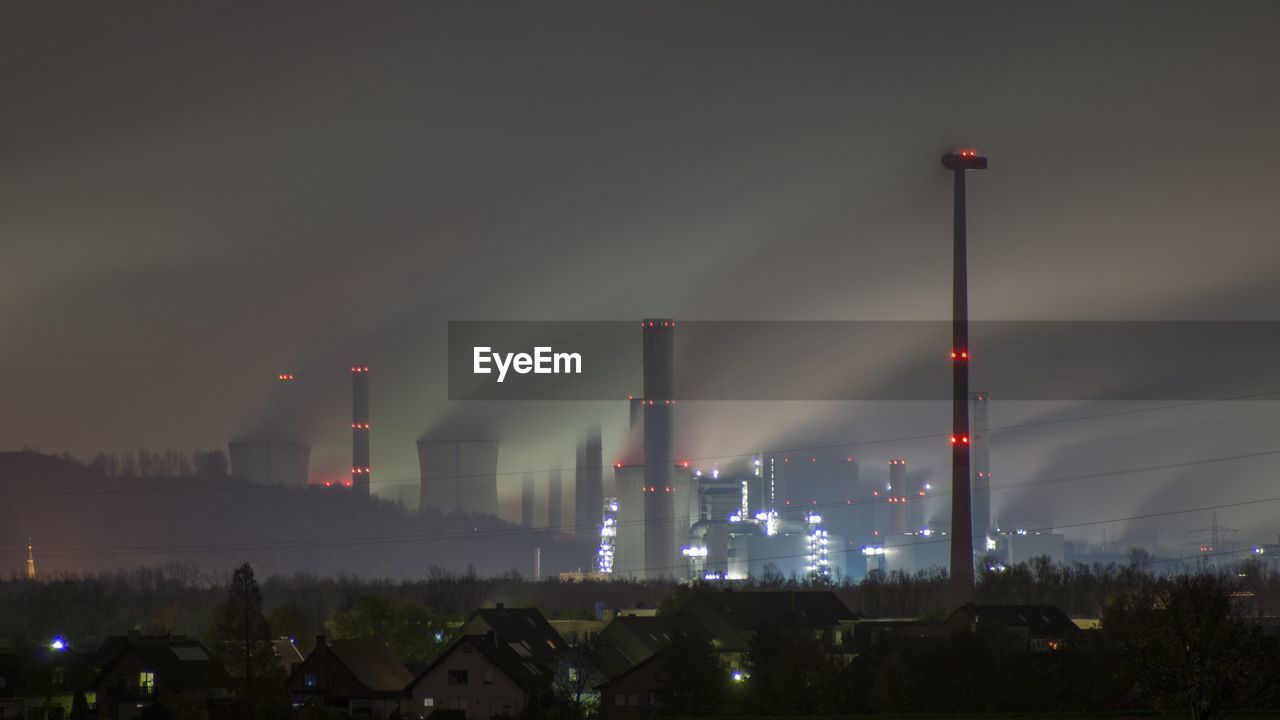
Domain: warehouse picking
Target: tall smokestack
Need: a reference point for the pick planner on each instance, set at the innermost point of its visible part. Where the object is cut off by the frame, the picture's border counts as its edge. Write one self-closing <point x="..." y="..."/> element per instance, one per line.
<point x="961" y="497"/>
<point x="527" y="498"/>
<point x="555" y="500"/>
<point x="981" y="470"/>
<point x="659" y="447"/>
<point x="360" y="429"/>
<point x="588" y="488"/>
<point x="898" y="497"/>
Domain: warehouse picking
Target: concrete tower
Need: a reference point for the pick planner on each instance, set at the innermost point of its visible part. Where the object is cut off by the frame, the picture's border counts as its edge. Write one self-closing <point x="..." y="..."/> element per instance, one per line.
<point x="31" y="561"/>
<point x="588" y="487"/>
<point x="660" y="555"/>
<point x="528" y="495"/>
<point x="555" y="500"/>
<point x="899" y="498"/>
<point x="360" y="429"/>
<point x="961" y="497"/>
<point x="981" y="443"/>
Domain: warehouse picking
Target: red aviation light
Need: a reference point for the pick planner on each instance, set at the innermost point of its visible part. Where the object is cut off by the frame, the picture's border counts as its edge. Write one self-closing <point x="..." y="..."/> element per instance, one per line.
<point x="964" y="439"/>
<point x="954" y="440"/>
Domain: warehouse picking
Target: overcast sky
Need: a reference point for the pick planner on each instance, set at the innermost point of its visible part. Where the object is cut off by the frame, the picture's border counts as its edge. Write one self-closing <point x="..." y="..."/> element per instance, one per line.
<point x="196" y="196"/>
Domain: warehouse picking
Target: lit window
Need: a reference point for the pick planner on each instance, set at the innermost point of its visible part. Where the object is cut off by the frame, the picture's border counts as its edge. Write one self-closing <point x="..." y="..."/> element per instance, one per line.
<point x="146" y="682"/>
<point x="428" y="702"/>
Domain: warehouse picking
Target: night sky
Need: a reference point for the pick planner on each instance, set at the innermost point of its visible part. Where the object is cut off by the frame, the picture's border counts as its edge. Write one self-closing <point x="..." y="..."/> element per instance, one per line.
<point x="197" y="196"/>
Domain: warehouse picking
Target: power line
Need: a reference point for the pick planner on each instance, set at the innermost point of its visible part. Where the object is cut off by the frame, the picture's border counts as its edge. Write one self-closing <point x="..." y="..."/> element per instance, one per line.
<point x="519" y="531"/>
<point x="251" y="487"/>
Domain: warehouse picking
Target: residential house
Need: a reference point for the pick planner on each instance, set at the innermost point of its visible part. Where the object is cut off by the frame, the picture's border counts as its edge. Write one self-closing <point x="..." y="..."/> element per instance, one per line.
<point x="629" y="640"/>
<point x="1044" y="628"/>
<point x="1041" y="628"/>
<point x="506" y="659"/>
<point x="634" y="694"/>
<point x="144" y="674"/>
<point x="358" y="676"/>
<point x="732" y="618"/>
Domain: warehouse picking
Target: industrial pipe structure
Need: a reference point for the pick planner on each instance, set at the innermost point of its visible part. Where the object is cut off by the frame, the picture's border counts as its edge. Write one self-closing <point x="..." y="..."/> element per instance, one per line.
<point x="961" y="491"/>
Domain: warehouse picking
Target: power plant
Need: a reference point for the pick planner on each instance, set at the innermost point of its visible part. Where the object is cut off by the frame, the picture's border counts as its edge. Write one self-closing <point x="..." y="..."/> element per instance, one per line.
<point x="672" y="518"/>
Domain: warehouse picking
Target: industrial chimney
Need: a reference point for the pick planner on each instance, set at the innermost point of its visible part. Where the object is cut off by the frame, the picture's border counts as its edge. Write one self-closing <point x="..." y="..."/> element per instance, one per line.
<point x="527" y="498"/>
<point x="588" y="487"/>
<point x="898" y="498"/>
<point x="981" y="469"/>
<point x="555" y="500"/>
<point x="360" y="429"/>
<point x="961" y="485"/>
<point x="659" y="447"/>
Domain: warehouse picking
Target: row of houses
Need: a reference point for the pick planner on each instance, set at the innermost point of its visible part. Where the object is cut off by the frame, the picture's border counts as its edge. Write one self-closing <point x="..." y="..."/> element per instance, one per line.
<point x="505" y="659"/>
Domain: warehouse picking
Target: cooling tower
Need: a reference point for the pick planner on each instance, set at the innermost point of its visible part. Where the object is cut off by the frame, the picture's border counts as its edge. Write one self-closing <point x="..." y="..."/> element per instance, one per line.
<point x="588" y="488"/>
<point x="270" y="462"/>
<point x="660" y="550"/>
<point x="458" y="476"/>
<point x="360" y="429"/>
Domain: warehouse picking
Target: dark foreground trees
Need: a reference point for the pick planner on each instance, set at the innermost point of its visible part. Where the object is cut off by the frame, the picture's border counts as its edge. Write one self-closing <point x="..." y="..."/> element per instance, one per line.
<point x="241" y="639"/>
<point x="1188" y="645"/>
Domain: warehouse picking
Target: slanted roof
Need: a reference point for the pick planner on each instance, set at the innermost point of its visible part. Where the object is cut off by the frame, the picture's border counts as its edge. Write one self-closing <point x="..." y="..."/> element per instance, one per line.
<point x="1037" y="619"/>
<point x="733" y="615"/>
<point x="372" y="664"/>
<point x="526" y="672"/>
<point x="180" y="663"/>
<point x="524" y="630"/>
<point x="630" y="640"/>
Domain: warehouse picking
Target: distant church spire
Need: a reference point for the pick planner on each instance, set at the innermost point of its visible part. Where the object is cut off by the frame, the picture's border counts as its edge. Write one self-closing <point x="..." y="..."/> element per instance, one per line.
<point x="31" y="562"/>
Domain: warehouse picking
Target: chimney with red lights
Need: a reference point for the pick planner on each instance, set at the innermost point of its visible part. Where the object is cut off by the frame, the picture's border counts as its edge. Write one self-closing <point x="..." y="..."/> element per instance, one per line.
<point x="658" y="405"/>
<point x="360" y="429"/>
<point x="961" y="490"/>
<point x="898" y="498"/>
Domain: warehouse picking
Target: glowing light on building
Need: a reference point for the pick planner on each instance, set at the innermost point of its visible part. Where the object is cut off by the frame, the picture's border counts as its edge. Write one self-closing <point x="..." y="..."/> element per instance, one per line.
<point x="608" y="537"/>
<point x="769" y="519"/>
<point x="818" y="539"/>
